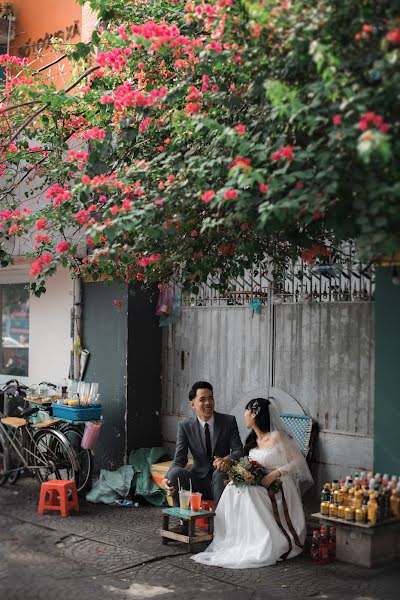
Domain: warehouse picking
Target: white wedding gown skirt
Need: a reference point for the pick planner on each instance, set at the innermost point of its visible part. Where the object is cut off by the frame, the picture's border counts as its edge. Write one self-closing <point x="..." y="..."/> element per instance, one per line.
<point x="246" y="533"/>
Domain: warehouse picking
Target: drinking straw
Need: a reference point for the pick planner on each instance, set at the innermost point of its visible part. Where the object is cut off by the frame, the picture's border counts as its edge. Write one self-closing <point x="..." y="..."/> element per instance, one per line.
<point x="179" y="485"/>
<point x="190" y="484"/>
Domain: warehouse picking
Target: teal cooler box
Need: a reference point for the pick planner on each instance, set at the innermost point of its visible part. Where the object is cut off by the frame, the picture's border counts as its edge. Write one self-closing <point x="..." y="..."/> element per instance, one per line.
<point x="77" y="413"/>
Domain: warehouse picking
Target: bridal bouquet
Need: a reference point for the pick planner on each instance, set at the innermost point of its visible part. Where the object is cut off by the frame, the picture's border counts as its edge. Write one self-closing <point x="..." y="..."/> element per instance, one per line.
<point x="247" y="471"/>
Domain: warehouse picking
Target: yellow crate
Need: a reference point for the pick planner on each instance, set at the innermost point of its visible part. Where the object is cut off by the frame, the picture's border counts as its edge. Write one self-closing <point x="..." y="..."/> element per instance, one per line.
<point x="159" y="470"/>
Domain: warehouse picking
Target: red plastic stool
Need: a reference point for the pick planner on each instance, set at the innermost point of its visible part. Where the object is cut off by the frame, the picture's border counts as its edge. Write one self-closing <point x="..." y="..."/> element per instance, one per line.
<point x="58" y="489"/>
<point x="205" y="505"/>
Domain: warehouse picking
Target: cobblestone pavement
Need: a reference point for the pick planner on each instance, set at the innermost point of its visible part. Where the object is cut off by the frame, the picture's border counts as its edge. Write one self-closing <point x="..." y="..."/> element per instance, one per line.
<point x="109" y="552"/>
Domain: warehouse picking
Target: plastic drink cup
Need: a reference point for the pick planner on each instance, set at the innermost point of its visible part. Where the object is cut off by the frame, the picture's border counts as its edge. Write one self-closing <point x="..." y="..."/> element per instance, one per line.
<point x="184" y="499"/>
<point x="195" y="501"/>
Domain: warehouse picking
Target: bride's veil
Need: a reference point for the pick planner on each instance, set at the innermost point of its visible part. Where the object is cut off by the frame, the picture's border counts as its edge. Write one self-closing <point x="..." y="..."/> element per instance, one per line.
<point x="292" y="458"/>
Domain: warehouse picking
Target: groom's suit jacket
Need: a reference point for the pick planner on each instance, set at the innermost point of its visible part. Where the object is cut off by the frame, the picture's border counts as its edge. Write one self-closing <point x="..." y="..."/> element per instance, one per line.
<point x="226" y="442"/>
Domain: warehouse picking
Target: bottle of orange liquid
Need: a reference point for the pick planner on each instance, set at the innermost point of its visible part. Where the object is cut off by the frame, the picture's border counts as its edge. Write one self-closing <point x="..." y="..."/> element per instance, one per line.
<point x="395" y="504"/>
<point x="372" y="508"/>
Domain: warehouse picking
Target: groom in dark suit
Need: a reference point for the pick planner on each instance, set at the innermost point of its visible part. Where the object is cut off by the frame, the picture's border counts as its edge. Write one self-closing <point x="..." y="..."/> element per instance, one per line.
<point x="213" y="440"/>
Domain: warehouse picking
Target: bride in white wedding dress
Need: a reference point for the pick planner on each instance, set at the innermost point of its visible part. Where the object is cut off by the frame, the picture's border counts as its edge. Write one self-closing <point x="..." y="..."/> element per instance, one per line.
<point x="253" y="526"/>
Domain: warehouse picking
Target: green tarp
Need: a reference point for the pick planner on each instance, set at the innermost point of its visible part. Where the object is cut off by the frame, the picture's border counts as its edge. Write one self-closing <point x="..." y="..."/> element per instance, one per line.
<point x="113" y="485"/>
<point x="141" y="460"/>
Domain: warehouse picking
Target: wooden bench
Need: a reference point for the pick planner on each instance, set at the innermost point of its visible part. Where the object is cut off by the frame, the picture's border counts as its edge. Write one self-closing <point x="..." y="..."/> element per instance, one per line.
<point x="187" y="533"/>
<point x="362" y="543"/>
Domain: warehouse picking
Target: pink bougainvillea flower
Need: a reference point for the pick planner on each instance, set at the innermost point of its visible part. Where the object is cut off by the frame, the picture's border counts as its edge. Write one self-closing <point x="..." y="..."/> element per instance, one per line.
<point x="41" y="224"/>
<point x="309" y="254"/>
<point x="263" y="188"/>
<point x="337" y="120"/>
<point x="208" y="196"/>
<point x="242" y="163"/>
<point x="230" y="194"/>
<point x="287" y="153"/>
<point x="394" y="36"/>
<point x="62" y="247"/>
<point x="114" y="209"/>
<point x="241" y="129"/>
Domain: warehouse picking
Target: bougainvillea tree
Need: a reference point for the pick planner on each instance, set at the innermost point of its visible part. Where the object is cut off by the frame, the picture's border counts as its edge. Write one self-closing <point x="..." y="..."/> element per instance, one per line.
<point x="199" y="137"/>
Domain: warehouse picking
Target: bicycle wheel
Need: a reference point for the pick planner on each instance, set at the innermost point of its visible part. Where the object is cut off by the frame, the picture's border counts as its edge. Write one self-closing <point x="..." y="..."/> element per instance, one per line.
<point x="53" y="457"/>
<point x="74" y="436"/>
<point x="3" y="459"/>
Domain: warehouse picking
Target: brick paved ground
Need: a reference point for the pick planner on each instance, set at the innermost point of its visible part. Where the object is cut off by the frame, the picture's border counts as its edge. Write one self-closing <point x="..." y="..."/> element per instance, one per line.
<point x="110" y="552"/>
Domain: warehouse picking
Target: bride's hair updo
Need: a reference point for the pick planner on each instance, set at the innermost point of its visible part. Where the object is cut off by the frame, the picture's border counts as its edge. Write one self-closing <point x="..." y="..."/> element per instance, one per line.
<point x="260" y="407"/>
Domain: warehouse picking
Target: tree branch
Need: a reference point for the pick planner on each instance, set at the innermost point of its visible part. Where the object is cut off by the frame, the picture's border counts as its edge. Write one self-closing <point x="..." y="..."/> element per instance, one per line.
<point x="42" y="108"/>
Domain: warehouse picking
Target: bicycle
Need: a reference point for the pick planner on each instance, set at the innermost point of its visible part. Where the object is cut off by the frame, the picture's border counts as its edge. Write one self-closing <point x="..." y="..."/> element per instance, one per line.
<point x="34" y="447"/>
<point x="72" y="432"/>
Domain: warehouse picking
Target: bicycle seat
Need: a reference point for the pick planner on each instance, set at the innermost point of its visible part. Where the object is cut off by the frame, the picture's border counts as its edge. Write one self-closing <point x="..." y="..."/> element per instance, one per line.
<point x="13" y="422"/>
<point x="26" y="412"/>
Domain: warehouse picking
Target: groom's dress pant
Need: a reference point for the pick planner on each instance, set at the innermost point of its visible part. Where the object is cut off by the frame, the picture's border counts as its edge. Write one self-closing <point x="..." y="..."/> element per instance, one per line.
<point x="211" y="486"/>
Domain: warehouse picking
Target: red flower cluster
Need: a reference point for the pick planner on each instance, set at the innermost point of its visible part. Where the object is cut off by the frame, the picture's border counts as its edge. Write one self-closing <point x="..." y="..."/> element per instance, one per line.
<point x="309" y="254"/>
<point x="394" y="36"/>
<point x="230" y="194"/>
<point x="94" y="134"/>
<point x="38" y="266"/>
<point x="41" y="224"/>
<point x="227" y="249"/>
<point x="286" y="153"/>
<point x="58" y="193"/>
<point x="62" y="247"/>
<point x="242" y="163"/>
<point x="143" y="262"/>
<point x="208" y="196"/>
<point x="372" y="119"/>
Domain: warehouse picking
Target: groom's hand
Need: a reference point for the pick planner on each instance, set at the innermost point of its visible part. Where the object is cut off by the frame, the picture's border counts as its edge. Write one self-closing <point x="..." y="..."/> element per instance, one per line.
<point x="221" y="464"/>
<point x="168" y="487"/>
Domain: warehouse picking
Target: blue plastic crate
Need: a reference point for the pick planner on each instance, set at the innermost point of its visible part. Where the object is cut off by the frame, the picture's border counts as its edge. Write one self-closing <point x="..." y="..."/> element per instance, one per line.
<point x="77" y="413"/>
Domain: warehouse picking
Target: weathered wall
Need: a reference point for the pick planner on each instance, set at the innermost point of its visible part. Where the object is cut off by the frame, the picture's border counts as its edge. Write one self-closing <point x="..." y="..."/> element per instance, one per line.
<point x="322" y="356"/>
<point x="223" y="345"/>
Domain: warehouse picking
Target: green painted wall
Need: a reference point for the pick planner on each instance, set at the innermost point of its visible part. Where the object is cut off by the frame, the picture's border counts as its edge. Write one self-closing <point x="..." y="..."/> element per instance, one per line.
<point x="387" y="374"/>
<point x="105" y="335"/>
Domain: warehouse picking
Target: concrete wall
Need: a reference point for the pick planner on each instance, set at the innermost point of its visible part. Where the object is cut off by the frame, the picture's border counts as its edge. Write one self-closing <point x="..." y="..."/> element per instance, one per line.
<point x="322" y="356"/>
<point x="226" y="346"/>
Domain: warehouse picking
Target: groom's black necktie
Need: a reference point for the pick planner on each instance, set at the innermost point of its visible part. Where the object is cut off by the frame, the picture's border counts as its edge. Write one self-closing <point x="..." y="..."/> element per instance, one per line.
<point x="208" y="441"/>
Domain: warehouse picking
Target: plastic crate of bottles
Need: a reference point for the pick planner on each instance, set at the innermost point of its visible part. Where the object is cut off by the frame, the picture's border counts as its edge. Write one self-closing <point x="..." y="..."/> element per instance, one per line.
<point x="77" y="413"/>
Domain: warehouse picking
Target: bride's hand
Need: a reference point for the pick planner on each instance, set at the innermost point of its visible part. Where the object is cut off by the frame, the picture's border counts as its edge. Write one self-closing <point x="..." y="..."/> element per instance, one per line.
<point x="270" y="478"/>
